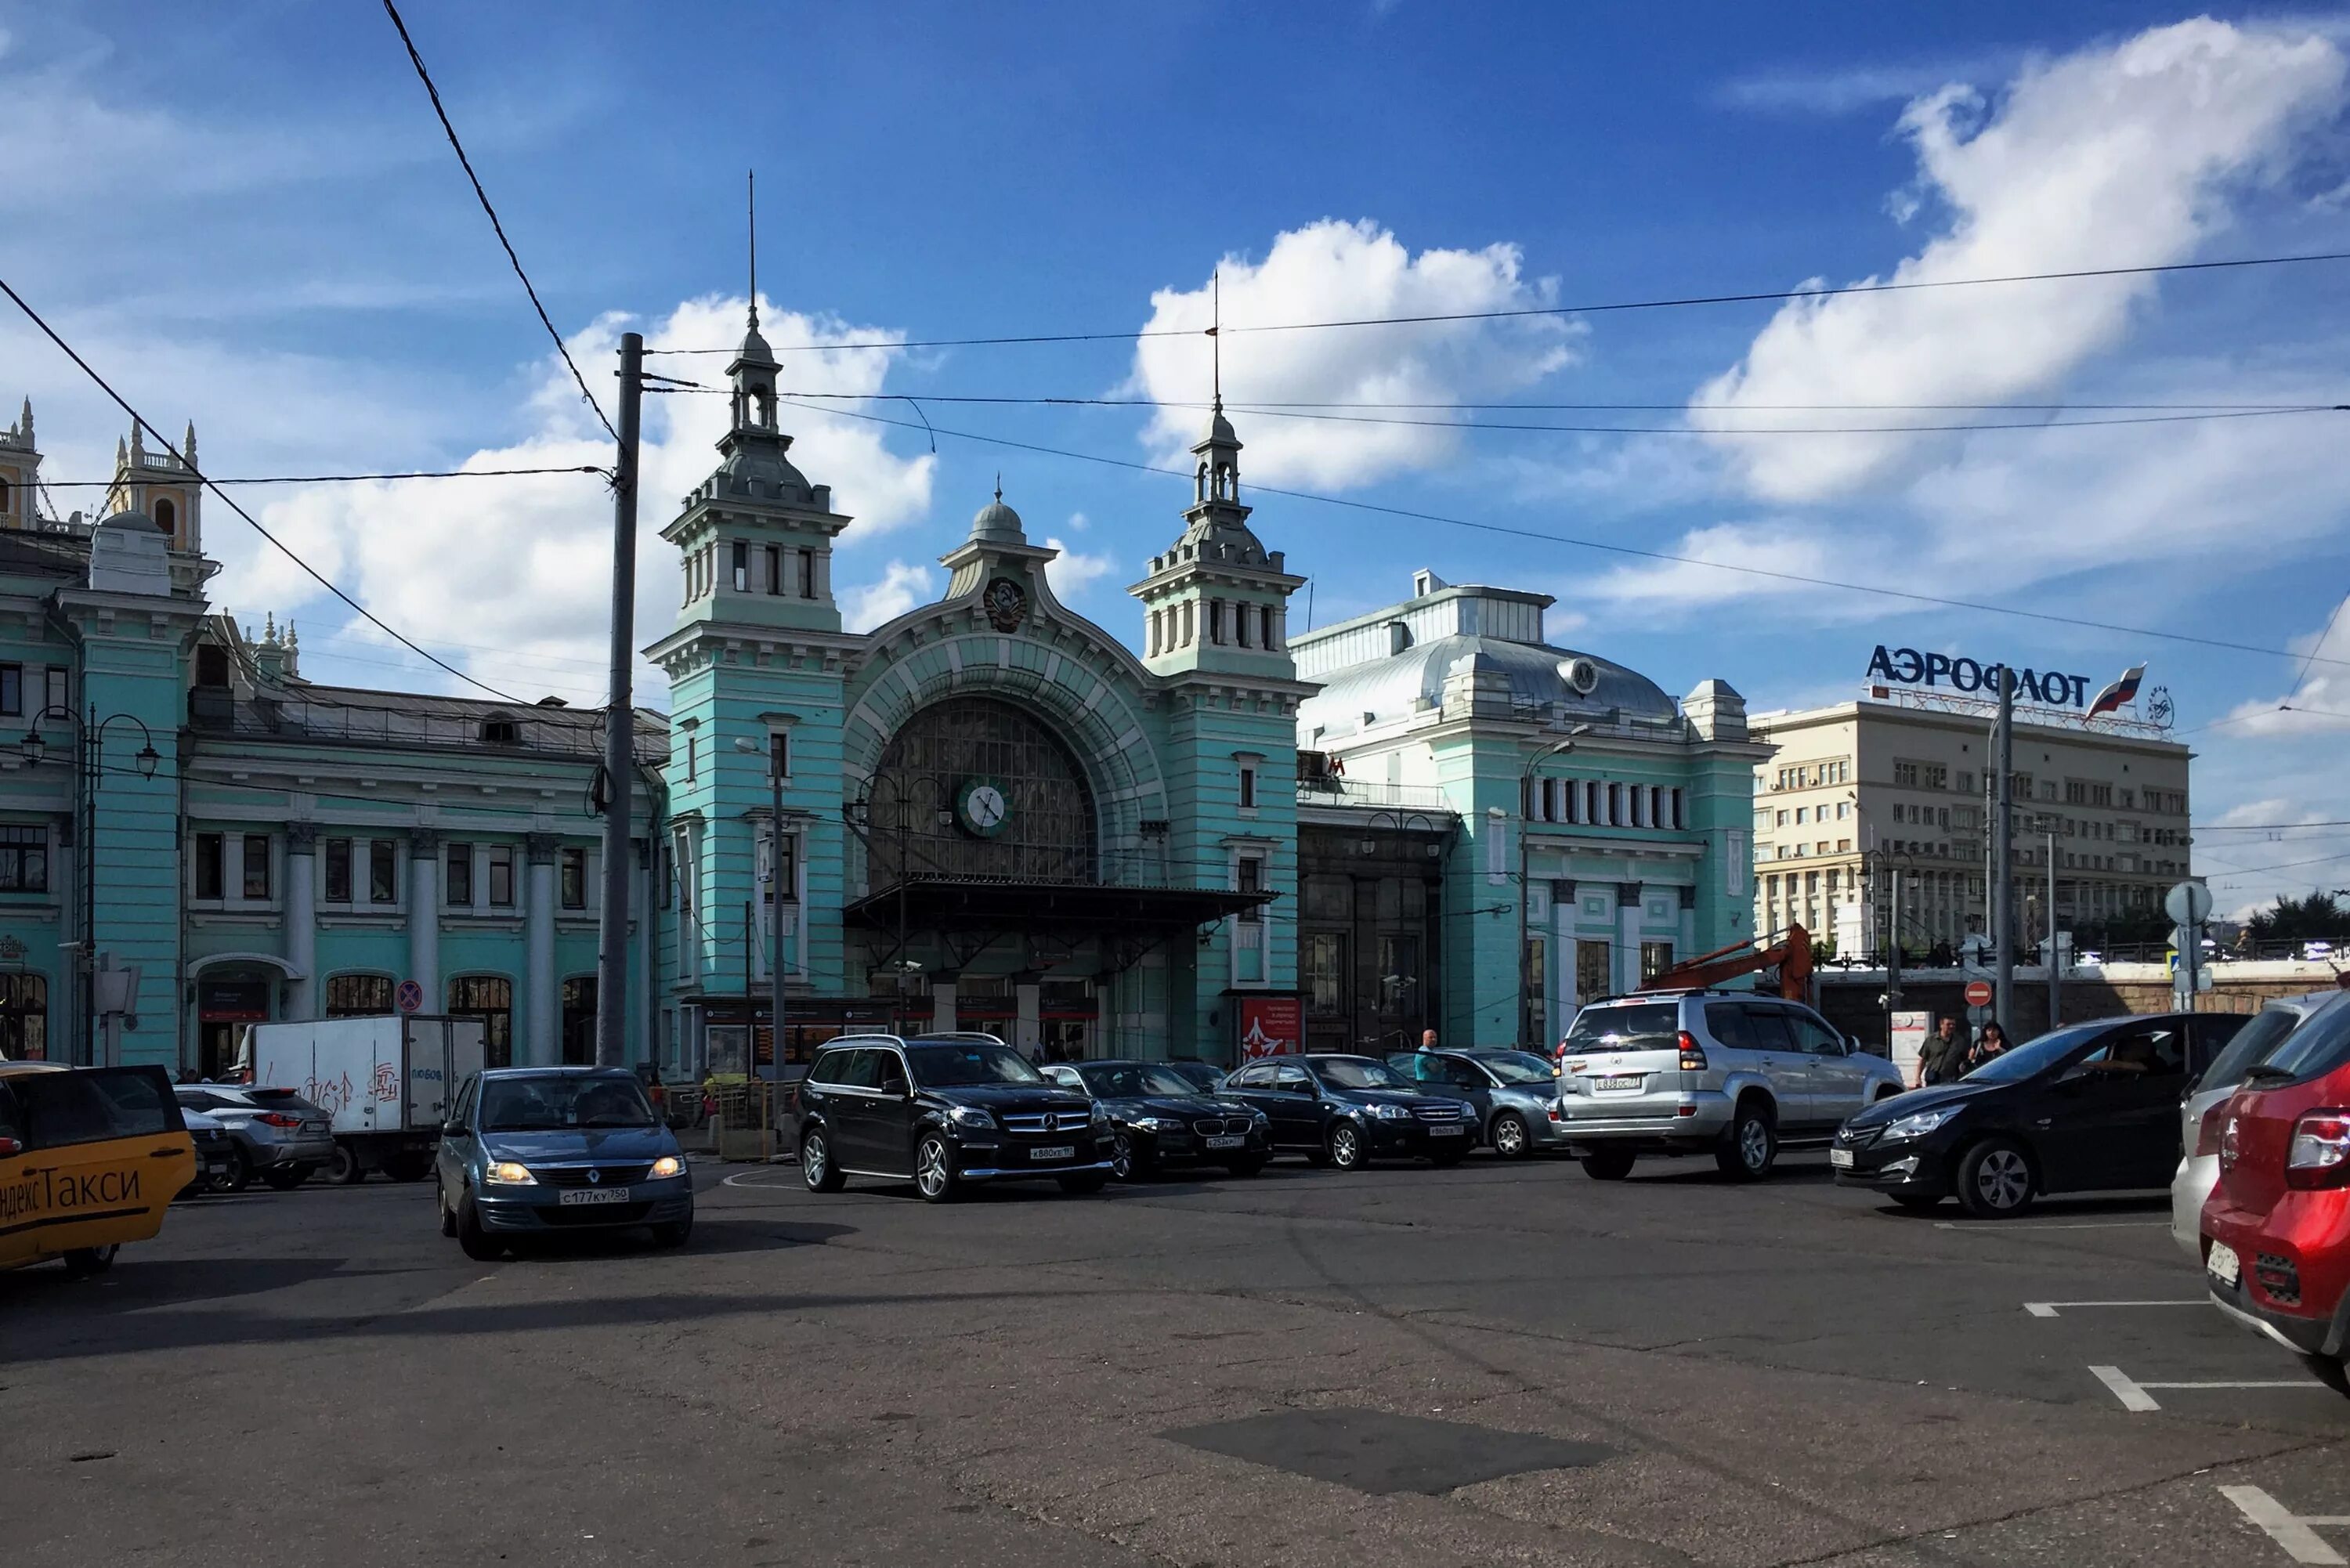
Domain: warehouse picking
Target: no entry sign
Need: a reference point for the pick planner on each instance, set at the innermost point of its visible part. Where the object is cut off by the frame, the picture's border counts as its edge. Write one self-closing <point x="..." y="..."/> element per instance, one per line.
<point x="1978" y="993"/>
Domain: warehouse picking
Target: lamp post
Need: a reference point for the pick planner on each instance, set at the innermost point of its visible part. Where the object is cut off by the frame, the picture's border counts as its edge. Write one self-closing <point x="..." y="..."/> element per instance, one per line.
<point x="1527" y="982"/>
<point x="89" y="736"/>
<point x="776" y="887"/>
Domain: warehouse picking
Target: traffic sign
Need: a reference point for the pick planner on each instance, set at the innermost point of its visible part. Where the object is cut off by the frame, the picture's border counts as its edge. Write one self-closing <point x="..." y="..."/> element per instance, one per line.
<point x="408" y="997"/>
<point x="1978" y="993"/>
<point x="2189" y="903"/>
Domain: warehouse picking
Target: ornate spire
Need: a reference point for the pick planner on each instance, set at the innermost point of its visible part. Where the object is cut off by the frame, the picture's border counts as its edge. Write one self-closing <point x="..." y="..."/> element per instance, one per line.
<point x="751" y="186"/>
<point x="138" y="443"/>
<point x="24" y="423"/>
<point x="187" y="444"/>
<point x="122" y="452"/>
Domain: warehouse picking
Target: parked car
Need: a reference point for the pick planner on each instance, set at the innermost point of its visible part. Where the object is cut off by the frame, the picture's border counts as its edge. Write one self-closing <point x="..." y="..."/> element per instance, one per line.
<point x="280" y="1136"/>
<point x="1731" y="1074"/>
<point x="536" y="1150"/>
<point x="1346" y="1111"/>
<point x="215" y="1153"/>
<point x="1204" y="1076"/>
<point x="943" y="1113"/>
<point x="1158" y="1118"/>
<point x="1515" y="1093"/>
<point x="90" y="1158"/>
<point x="2202" y="1115"/>
<point x="2090" y="1108"/>
<point x="2276" y="1229"/>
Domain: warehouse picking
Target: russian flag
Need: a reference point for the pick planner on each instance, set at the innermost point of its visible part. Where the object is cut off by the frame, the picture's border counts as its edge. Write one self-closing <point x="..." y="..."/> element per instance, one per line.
<point x="2120" y="692"/>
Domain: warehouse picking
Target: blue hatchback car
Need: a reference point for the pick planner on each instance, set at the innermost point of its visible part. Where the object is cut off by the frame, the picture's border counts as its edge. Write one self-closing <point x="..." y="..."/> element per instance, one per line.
<point x="536" y="1150"/>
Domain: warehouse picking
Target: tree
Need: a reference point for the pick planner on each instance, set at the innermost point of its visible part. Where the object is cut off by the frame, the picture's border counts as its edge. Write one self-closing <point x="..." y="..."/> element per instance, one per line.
<point x="2296" y="919"/>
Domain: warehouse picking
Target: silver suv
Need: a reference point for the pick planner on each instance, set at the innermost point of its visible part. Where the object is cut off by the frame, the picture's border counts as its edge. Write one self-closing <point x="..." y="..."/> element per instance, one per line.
<point x="1733" y="1073"/>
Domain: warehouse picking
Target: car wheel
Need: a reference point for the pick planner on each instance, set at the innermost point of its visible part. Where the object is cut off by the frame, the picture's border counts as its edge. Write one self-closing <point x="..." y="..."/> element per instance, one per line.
<point x="934" y="1172"/>
<point x="1916" y="1202"/>
<point x="2330" y="1371"/>
<point x="440" y="1201"/>
<point x="343" y="1167"/>
<point x="1345" y="1147"/>
<point x="1085" y="1181"/>
<point x="1125" y="1162"/>
<point x="239" y="1175"/>
<point x="1751" y="1145"/>
<point x="477" y="1243"/>
<point x="1510" y="1138"/>
<point x="816" y="1164"/>
<point x="673" y="1234"/>
<point x="286" y="1177"/>
<point x="84" y="1261"/>
<point x="1995" y="1179"/>
<point x="1245" y="1167"/>
<point x="1608" y="1164"/>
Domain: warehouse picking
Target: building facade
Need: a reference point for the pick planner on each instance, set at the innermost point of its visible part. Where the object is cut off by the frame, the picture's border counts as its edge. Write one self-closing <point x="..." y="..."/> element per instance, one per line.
<point x="1494" y="830"/>
<point x="1860" y="793"/>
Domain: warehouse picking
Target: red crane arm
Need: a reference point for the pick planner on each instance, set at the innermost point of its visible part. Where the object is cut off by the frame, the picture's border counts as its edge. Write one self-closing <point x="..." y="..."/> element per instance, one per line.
<point x="1791" y="953"/>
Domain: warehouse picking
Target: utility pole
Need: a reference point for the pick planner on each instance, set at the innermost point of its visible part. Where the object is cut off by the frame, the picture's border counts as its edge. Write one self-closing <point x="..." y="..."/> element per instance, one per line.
<point x="2055" y="980"/>
<point x="619" y="726"/>
<point x="2002" y="900"/>
<point x="776" y="890"/>
<point x="1892" y="949"/>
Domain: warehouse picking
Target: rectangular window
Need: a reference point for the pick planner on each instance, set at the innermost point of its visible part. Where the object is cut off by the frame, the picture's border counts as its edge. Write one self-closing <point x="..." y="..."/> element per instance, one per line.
<point x="359" y="995"/>
<point x="1936" y="777"/>
<point x="339" y="870"/>
<point x="501" y="876"/>
<point x="59" y="691"/>
<point x="1655" y="958"/>
<point x="808" y="574"/>
<point x="1591" y="801"/>
<point x="12" y="689"/>
<point x="785" y="883"/>
<point x="1615" y="806"/>
<point x="690" y="738"/>
<point x="1242" y="615"/>
<point x="383" y="872"/>
<point x="1533" y="987"/>
<point x="24" y="859"/>
<point x="665" y="873"/>
<point x="1248" y="789"/>
<point x="1904" y="774"/>
<point x="1251" y="874"/>
<point x="459" y="894"/>
<point x="1680" y="812"/>
<point x="1640" y="814"/>
<point x="256" y="866"/>
<point x="574" y="864"/>
<point x="775" y="555"/>
<point x="1324" y="963"/>
<point x="742" y="566"/>
<point x="1800" y="816"/>
<point x="779" y="753"/>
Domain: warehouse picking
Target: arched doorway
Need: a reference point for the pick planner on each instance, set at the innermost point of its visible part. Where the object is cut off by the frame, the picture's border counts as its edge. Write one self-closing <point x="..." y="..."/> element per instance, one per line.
<point x="973" y="787"/>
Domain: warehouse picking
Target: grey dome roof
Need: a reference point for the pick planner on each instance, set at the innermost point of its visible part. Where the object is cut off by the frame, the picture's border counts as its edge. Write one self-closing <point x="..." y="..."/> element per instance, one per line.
<point x="1395" y="686"/>
<point x="760" y="471"/>
<point x="755" y="348"/>
<point x="997" y="524"/>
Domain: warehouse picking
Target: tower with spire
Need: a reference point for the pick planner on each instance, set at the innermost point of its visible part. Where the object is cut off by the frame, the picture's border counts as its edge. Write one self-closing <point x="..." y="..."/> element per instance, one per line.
<point x="20" y="473"/>
<point x="160" y="486"/>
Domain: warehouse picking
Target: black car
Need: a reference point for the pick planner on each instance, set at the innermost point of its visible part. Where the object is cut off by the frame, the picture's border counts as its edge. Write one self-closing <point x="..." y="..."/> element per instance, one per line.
<point x="1158" y="1118"/>
<point x="942" y="1114"/>
<point x="1346" y="1110"/>
<point x="2082" y="1110"/>
<point x="1205" y="1077"/>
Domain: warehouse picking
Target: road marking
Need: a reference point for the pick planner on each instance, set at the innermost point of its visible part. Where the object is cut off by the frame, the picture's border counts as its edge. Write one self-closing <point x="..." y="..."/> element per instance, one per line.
<point x="2009" y="1227"/>
<point x="2287" y="1529"/>
<point x="2049" y="1309"/>
<point x="743" y="1178"/>
<point x="2133" y="1396"/>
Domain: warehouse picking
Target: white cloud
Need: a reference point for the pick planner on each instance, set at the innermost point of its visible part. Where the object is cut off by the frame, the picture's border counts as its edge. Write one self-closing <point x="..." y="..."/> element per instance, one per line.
<point x="1843" y="89"/>
<point x="2317" y="705"/>
<point x="1071" y="573"/>
<point x="901" y="586"/>
<point x="1334" y="271"/>
<point x="2124" y="154"/>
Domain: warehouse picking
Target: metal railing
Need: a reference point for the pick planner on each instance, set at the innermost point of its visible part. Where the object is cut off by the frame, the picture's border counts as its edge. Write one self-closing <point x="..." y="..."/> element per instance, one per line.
<point x="1342" y="791"/>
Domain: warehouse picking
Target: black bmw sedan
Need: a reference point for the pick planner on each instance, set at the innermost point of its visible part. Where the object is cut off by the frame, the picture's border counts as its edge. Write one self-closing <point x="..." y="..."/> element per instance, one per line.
<point x="1158" y="1118"/>
<point x="2091" y="1107"/>
<point x="1344" y="1111"/>
<point x="943" y="1113"/>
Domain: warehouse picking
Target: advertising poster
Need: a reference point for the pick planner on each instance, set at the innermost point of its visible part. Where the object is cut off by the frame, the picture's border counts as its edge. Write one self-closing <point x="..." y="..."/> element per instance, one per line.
<point x="1910" y="1031"/>
<point x="1270" y="1025"/>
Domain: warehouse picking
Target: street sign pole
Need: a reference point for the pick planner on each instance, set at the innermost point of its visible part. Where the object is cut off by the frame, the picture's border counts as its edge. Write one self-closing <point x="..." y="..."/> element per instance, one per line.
<point x="2002" y="903"/>
<point x="619" y="726"/>
<point x="2189" y="904"/>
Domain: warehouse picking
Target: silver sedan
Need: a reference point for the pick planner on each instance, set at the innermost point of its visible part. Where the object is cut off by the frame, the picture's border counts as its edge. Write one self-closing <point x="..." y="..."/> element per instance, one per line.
<point x="1515" y="1093"/>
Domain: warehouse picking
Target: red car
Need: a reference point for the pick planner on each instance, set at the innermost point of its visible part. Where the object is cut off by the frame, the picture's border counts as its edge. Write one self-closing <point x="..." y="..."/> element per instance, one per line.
<point x="2276" y="1229"/>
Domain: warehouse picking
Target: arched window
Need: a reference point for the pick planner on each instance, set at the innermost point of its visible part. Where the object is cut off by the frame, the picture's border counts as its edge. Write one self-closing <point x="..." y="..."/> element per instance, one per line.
<point x="3" y="498"/>
<point x="359" y="995"/>
<point x="167" y="517"/>
<point x="490" y="998"/>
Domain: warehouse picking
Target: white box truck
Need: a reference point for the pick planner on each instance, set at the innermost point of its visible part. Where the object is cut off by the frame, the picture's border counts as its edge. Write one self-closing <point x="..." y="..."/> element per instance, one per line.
<point x="386" y="1082"/>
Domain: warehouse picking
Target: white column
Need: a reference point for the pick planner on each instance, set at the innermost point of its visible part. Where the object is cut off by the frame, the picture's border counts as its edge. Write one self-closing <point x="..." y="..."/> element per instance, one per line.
<point x="1028" y="1026"/>
<point x="425" y="916"/>
<point x="304" y="995"/>
<point x="540" y="1014"/>
<point x="1627" y="949"/>
<point x="824" y="573"/>
<point x="942" y="1006"/>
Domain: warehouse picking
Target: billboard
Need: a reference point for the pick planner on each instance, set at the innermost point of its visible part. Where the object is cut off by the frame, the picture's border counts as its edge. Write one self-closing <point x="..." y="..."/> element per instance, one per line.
<point x="1270" y="1025"/>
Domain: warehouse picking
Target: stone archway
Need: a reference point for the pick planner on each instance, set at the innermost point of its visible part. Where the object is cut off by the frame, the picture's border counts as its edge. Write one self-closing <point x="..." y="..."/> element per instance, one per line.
<point x="976" y="787"/>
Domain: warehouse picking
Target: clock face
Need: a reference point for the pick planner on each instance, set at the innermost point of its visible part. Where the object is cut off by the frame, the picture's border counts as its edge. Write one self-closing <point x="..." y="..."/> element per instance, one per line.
<point x="982" y="808"/>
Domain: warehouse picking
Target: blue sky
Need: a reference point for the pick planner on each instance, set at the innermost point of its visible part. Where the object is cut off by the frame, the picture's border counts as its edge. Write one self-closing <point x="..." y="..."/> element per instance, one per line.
<point x="248" y="215"/>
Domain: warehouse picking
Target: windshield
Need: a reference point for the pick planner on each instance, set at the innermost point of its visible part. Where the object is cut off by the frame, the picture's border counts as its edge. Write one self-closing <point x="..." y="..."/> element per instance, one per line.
<point x="2252" y="1044"/>
<point x="559" y="1102"/>
<point x="2319" y="1046"/>
<point x="1643" y="1026"/>
<point x="1357" y="1073"/>
<point x="279" y="1100"/>
<point x="1129" y="1081"/>
<point x="2035" y="1055"/>
<point x="950" y="1066"/>
<point x="1202" y="1074"/>
<point x="1517" y="1067"/>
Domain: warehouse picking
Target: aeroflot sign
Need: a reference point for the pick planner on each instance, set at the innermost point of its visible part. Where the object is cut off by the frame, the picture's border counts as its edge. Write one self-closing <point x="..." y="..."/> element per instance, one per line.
<point x="1908" y="666"/>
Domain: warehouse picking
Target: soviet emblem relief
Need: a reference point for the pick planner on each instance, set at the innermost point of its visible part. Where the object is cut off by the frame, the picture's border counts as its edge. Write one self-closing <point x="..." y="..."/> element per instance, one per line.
<point x="1006" y="603"/>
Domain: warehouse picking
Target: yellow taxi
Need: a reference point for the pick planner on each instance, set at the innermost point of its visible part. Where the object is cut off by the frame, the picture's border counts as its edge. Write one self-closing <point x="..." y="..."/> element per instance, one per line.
<point x="90" y="1158"/>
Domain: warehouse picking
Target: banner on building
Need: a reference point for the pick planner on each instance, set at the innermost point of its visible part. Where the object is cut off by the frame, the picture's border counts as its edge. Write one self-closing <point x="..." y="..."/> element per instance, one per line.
<point x="1270" y="1025"/>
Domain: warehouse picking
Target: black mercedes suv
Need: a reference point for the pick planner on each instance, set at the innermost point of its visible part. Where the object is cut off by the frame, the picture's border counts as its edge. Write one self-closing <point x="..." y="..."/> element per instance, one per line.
<point x="942" y="1114"/>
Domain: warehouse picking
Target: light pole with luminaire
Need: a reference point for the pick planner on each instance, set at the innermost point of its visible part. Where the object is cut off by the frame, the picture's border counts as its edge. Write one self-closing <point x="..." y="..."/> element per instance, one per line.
<point x="1527" y="982"/>
<point x="89" y="736"/>
<point x="775" y="892"/>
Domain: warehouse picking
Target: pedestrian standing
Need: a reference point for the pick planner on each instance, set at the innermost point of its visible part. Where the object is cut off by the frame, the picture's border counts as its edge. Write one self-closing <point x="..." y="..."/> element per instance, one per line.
<point x="1428" y="1039"/>
<point x="1990" y="1046"/>
<point x="1941" y="1061"/>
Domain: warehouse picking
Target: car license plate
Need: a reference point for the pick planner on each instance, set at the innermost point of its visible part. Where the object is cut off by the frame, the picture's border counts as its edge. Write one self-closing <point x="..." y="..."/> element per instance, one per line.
<point x="1444" y="1130"/>
<point x="1841" y="1158"/>
<point x="583" y="1197"/>
<point x="1228" y="1143"/>
<point x="2223" y="1264"/>
<point x="1620" y="1081"/>
<point x="1054" y="1151"/>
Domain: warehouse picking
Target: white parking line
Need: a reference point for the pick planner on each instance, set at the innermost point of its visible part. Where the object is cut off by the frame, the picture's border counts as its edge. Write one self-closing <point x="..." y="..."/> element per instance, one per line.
<point x="2049" y="1309"/>
<point x="2008" y="1227"/>
<point x="2133" y="1396"/>
<point x="2288" y="1530"/>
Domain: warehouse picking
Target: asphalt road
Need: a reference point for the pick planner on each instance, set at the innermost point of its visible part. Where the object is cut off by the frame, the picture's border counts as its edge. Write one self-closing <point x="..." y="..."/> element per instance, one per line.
<point x="1494" y="1363"/>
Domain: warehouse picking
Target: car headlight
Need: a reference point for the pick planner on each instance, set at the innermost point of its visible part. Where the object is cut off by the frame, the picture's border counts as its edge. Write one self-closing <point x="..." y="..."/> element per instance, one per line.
<point x="1468" y="1112"/>
<point x="1100" y="1115"/>
<point x="1392" y="1113"/>
<point x="1155" y="1124"/>
<point x="1259" y="1118"/>
<point x="1918" y="1124"/>
<point x="666" y="1166"/>
<point x="971" y="1116"/>
<point x="509" y="1173"/>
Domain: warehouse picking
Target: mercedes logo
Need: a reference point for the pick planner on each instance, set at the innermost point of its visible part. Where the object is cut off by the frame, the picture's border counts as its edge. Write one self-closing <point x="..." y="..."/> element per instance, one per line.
<point x="595" y="1177"/>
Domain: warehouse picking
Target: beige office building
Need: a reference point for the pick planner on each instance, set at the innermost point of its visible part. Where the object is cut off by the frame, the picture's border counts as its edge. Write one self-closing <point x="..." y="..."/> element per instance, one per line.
<point x="1862" y="789"/>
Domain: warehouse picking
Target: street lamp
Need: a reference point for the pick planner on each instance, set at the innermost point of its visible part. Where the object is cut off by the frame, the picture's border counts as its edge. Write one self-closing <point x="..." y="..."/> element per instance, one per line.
<point x="775" y="892"/>
<point x="1525" y="823"/>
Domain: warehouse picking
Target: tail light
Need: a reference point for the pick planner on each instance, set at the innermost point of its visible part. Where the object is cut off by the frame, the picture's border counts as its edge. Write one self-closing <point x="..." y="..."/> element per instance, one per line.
<point x="1692" y="1053"/>
<point x="2320" y="1152"/>
<point x="2207" y="1131"/>
<point x="278" y="1119"/>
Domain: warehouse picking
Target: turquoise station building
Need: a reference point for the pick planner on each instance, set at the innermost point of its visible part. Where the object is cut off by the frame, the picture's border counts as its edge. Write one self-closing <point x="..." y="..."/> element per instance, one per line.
<point x="1225" y="835"/>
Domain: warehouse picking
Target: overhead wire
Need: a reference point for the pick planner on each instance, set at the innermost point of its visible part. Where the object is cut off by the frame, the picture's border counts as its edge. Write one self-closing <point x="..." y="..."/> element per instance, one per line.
<point x="359" y="478"/>
<point x="1666" y="556"/>
<point x="198" y="475"/>
<point x="450" y="131"/>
